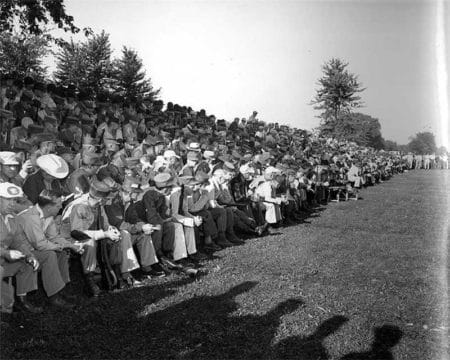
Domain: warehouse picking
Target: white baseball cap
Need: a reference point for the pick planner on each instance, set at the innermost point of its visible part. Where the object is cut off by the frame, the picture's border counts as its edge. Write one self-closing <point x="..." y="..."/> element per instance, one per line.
<point x="10" y="191"/>
<point x="53" y="165"/>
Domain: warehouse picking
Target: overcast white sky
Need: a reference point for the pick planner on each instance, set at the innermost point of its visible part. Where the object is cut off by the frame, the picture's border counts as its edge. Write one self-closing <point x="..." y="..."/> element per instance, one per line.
<point x="233" y="57"/>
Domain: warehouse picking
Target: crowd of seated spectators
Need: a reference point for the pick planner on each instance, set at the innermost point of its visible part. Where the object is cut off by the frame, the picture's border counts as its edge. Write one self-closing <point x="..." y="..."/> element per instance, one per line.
<point x="135" y="190"/>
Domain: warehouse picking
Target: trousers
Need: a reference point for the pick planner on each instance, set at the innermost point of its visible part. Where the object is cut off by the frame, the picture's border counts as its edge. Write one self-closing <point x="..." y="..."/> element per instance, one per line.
<point x="145" y="248"/>
<point x="26" y="281"/>
<point x="54" y="267"/>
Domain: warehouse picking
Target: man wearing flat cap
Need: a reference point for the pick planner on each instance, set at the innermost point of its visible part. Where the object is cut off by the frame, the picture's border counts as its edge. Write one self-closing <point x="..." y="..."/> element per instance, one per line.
<point x="87" y="216"/>
<point x="15" y="258"/>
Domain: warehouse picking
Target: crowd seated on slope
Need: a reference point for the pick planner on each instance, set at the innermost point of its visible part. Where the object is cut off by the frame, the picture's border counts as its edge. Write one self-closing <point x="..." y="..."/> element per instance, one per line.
<point x="136" y="190"/>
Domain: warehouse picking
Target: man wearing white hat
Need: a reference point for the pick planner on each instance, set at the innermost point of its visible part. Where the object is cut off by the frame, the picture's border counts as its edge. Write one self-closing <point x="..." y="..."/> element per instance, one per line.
<point x="11" y="169"/>
<point x="15" y="258"/>
<point x="52" y="169"/>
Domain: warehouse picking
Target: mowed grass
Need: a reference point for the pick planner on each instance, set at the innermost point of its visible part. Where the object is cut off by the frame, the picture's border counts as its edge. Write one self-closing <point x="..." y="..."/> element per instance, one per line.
<point x="357" y="280"/>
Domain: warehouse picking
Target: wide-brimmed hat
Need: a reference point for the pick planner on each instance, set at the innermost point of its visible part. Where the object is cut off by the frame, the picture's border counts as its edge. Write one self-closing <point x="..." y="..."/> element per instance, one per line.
<point x="170" y="153"/>
<point x="194" y="146"/>
<point x="163" y="180"/>
<point x="99" y="189"/>
<point x="53" y="165"/>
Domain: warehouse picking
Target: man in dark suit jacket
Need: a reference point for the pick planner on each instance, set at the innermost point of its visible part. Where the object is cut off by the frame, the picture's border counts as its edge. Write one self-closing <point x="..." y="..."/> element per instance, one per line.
<point x="123" y="215"/>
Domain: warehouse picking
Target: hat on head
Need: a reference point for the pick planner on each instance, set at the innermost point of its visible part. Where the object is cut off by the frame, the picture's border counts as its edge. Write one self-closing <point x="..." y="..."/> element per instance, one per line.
<point x="228" y="166"/>
<point x="170" y="153"/>
<point x="163" y="180"/>
<point x="10" y="191"/>
<point x="22" y="145"/>
<point x="9" y="158"/>
<point x="38" y="139"/>
<point x="218" y="172"/>
<point x="208" y="154"/>
<point x="194" y="146"/>
<point x="99" y="189"/>
<point x="53" y="165"/>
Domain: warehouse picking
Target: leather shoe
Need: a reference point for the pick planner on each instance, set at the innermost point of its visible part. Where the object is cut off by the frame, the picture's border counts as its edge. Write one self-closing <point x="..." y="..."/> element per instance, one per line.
<point x="232" y="238"/>
<point x="212" y="247"/>
<point x="23" y="305"/>
<point x="58" y="301"/>
<point x="154" y="270"/>
<point x="92" y="287"/>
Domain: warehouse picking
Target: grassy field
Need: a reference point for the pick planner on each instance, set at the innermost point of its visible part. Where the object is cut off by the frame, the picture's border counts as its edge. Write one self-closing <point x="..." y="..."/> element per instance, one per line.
<point x="358" y="280"/>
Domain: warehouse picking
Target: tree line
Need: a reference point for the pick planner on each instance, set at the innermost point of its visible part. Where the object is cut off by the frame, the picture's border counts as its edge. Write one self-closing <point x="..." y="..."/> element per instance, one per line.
<point x="25" y="41"/>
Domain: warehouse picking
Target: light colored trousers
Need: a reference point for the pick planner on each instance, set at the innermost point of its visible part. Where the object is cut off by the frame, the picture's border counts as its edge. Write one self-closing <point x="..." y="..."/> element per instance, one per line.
<point x="145" y="248"/>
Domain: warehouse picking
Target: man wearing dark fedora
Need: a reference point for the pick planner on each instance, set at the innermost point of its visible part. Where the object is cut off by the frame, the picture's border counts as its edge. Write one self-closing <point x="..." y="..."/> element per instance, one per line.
<point x="85" y="217"/>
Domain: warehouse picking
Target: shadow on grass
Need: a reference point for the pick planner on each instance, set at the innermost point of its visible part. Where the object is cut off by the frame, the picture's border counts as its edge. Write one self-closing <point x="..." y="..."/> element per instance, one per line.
<point x="309" y="347"/>
<point x="126" y="325"/>
<point x="386" y="337"/>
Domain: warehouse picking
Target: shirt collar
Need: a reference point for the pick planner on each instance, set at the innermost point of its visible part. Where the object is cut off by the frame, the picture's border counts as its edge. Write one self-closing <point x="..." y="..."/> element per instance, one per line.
<point x="39" y="210"/>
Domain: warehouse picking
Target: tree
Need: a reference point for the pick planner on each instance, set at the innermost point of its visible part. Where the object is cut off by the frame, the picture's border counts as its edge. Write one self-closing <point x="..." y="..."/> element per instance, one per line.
<point x="390" y="145"/>
<point x="423" y="143"/>
<point x="99" y="68"/>
<point x="130" y="78"/>
<point x="337" y="93"/>
<point x="71" y="64"/>
<point x="359" y="128"/>
<point x="32" y="16"/>
<point x="87" y="64"/>
<point x="23" y="55"/>
<point x="441" y="150"/>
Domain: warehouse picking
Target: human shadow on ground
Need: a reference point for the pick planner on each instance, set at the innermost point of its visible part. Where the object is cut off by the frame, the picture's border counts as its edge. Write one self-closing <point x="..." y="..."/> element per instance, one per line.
<point x="67" y="334"/>
<point x="205" y="328"/>
<point x="309" y="347"/>
<point x="386" y="337"/>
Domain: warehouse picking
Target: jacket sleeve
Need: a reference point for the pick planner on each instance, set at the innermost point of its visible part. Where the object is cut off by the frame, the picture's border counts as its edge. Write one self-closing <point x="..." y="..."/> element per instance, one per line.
<point x="152" y="214"/>
<point x="30" y="189"/>
<point x="34" y="233"/>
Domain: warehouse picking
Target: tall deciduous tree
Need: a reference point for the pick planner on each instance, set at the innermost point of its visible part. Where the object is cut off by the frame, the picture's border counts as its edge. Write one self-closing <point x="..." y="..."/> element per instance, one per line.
<point x="23" y="55"/>
<point x="359" y="128"/>
<point x="130" y="78"/>
<point x="423" y="143"/>
<point x="338" y="92"/>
